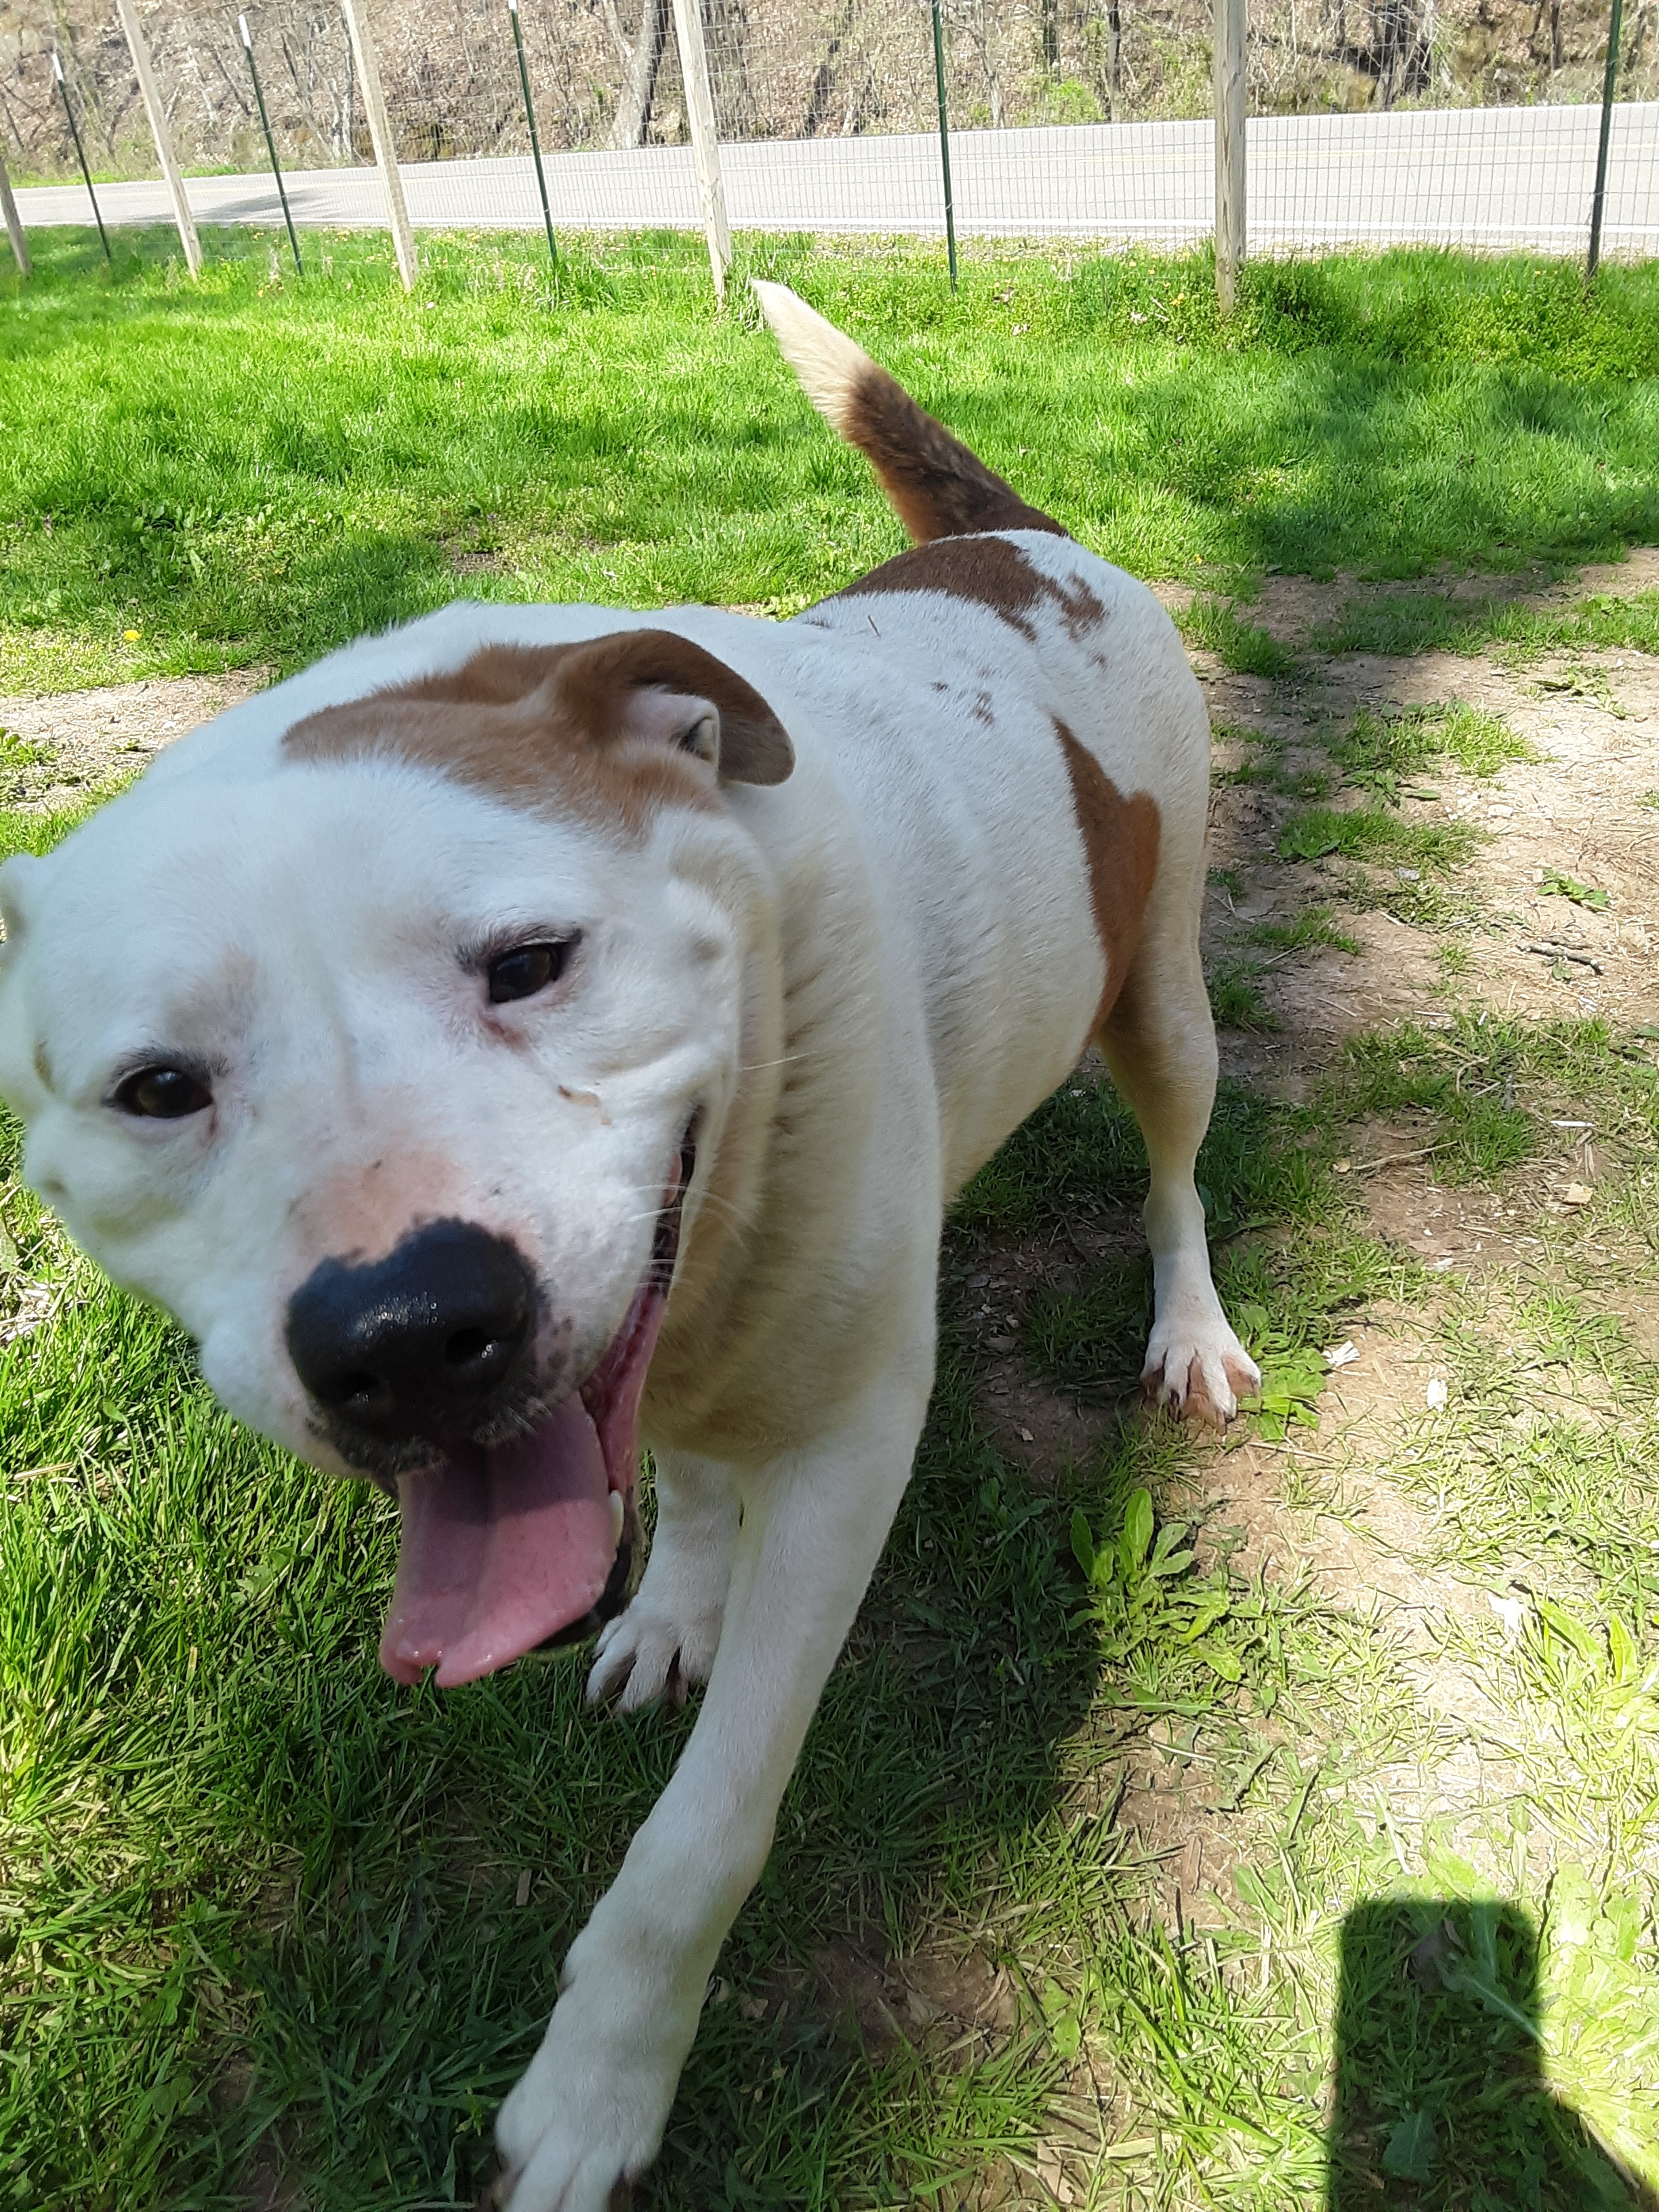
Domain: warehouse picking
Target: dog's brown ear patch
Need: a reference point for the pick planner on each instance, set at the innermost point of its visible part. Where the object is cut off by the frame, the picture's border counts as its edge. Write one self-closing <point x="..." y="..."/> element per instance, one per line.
<point x="609" y="683"/>
<point x="616" y="727"/>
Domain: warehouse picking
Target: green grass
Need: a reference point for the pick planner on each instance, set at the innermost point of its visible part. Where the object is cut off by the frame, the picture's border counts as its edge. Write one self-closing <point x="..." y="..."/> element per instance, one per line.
<point x="1216" y="626"/>
<point x="1375" y="835"/>
<point x="259" y="1916"/>
<point x="1382" y="751"/>
<point x="1380" y="856"/>
<point x="1490" y="1087"/>
<point x="24" y="829"/>
<point x="1311" y="926"/>
<point x="250" y="473"/>
<point x="1416" y="622"/>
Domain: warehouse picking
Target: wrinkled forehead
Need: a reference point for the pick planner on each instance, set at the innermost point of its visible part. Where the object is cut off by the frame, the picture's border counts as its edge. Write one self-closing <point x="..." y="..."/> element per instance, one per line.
<point x="169" y="896"/>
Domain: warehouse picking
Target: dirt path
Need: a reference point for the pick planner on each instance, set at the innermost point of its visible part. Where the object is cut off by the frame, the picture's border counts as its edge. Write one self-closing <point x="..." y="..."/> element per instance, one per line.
<point x="55" y="747"/>
<point x="1576" y="812"/>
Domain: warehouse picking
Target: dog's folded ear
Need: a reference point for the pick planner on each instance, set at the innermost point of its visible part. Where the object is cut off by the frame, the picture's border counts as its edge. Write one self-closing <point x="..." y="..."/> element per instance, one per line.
<point x="510" y="713"/>
<point x="650" y="683"/>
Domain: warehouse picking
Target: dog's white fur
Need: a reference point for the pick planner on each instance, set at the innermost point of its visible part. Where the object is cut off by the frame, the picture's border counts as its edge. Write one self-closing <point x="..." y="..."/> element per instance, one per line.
<point x="865" y="977"/>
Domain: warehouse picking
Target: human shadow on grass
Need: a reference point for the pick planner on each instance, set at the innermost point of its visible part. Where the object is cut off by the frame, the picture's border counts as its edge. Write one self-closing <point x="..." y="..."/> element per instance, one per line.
<point x="1441" y="2101"/>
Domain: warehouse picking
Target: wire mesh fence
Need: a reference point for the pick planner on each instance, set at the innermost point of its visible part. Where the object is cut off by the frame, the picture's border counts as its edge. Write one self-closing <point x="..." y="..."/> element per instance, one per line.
<point x="1472" y="123"/>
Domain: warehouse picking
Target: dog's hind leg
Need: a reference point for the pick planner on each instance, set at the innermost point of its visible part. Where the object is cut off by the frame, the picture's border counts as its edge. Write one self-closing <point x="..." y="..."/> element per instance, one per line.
<point x="1159" y="1042"/>
<point x="667" y="1637"/>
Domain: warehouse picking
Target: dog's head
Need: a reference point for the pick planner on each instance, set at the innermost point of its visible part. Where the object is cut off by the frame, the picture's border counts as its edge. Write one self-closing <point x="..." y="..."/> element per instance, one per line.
<point x="386" y="1059"/>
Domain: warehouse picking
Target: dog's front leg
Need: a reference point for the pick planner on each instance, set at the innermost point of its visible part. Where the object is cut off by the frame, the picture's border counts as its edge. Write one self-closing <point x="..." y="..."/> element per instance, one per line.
<point x="592" y="2107"/>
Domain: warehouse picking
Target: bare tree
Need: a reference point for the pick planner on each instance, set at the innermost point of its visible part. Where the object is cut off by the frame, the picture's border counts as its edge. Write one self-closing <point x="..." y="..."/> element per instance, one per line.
<point x="643" y="59"/>
<point x="1402" y="40"/>
<point x="824" y="76"/>
<point x="1113" y="62"/>
<point x="725" y="29"/>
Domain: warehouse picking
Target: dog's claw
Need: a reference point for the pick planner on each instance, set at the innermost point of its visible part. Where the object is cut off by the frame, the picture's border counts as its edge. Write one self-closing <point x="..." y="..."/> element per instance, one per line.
<point x="1201" y="1382"/>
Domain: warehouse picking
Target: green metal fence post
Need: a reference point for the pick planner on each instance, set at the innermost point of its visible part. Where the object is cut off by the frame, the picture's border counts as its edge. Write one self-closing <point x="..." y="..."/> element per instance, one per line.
<point x="530" y="118"/>
<point x="944" y="142"/>
<point x="271" y="143"/>
<point x="1607" y="83"/>
<point x="80" y="154"/>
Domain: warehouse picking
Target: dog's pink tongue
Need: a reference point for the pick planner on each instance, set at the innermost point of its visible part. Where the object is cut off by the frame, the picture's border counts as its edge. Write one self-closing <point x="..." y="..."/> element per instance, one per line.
<point x="499" y="1548"/>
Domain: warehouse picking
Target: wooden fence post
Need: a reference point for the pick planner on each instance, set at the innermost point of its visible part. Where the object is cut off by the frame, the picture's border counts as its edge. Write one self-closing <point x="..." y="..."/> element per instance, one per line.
<point x="162" y="136"/>
<point x="705" y="144"/>
<point x="1229" y="149"/>
<point x="19" y="245"/>
<point x="386" y="154"/>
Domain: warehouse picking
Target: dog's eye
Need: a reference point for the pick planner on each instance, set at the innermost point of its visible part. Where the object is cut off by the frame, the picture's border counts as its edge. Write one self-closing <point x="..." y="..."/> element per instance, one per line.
<point x="527" y="968"/>
<point x="162" y="1094"/>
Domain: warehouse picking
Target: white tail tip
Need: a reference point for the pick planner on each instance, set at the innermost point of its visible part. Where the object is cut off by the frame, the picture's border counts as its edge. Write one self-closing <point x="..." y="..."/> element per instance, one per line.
<point x="830" y="365"/>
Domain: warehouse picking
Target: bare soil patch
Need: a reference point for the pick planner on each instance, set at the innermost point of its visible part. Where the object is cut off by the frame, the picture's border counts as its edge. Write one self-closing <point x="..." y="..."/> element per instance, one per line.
<point x="1581" y="811"/>
<point x="64" y="743"/>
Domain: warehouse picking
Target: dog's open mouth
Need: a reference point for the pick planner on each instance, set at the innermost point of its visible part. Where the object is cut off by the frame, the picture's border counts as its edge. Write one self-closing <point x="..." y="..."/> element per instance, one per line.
<point x="506" y="1548"/>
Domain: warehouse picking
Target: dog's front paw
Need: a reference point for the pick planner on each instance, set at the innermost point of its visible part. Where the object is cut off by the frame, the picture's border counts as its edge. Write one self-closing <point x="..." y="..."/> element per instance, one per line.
<point x="648" y="1653"/>
<point x="1197" y="1368"/>
<point x="588" y="2115"/>
<point x="667" y="1639"/>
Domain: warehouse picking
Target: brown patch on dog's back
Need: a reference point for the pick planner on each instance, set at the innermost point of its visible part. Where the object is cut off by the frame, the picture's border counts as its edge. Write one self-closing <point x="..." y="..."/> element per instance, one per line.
<point x="991" y="572"/>
<point x="1120" y="842"/>
<point x="939" y="487"/>
<point x="548" y="726"/>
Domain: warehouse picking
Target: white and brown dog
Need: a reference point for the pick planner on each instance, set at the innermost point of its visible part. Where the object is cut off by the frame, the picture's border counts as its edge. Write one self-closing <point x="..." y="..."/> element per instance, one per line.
<point x="541" y="1028"/>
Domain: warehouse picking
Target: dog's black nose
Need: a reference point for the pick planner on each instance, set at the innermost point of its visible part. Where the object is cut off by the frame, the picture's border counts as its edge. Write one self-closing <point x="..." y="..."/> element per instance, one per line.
<point x="426" y="1342"/>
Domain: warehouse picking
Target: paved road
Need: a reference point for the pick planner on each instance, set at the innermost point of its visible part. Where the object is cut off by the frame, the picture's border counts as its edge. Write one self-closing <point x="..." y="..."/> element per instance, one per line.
<point x="1512" y="178"/>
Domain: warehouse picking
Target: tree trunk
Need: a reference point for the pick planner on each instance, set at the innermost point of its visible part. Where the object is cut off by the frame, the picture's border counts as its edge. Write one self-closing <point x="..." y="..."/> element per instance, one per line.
<point x="823" y="79"/>
<point x="726" y="32"/>
<point x="640" y="87"/>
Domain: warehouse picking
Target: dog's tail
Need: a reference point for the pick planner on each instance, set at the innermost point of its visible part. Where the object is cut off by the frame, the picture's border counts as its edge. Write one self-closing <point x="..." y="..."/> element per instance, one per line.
<point x="939" y="487"/>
